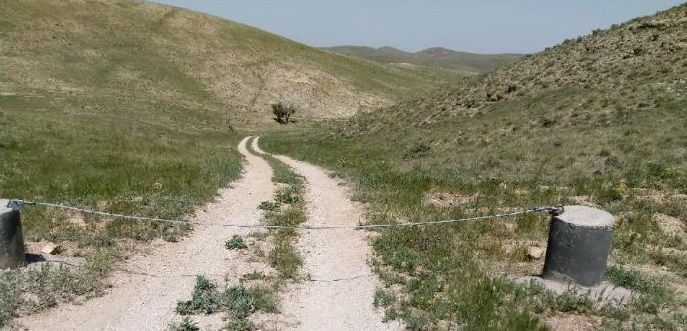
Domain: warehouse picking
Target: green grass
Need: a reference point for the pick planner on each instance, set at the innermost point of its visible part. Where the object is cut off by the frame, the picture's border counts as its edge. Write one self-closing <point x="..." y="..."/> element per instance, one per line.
<point x="33" y="290"/>
<point x="287" y="209"/>
<point x="610" y="133"/>
<point x="509" y="157"/>
<point x="121" y="161"/>
<point x="656" y="295"/>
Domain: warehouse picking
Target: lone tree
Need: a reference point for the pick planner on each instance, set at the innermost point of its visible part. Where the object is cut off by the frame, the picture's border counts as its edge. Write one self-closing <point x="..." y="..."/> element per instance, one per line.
<point x="282" y="112"/>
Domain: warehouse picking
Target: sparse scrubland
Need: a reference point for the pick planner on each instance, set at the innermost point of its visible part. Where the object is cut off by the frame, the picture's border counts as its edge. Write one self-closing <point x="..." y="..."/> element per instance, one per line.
<point x="597" y="120"/>
<point x="131" y="107"/>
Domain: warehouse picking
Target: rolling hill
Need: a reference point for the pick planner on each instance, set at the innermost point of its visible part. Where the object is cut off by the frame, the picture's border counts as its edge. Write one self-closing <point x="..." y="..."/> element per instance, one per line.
<point x="89" y="85"/>
<point x="130" y="49"/>
<point x="437" y="57"/>
<point x="598" y="120"/>
<point x="135" y="108"/>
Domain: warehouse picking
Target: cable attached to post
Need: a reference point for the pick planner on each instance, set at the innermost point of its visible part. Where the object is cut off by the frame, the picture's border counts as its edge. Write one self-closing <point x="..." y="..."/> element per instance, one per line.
<point x="16" y="205"/>
<point x="553" y="210"/>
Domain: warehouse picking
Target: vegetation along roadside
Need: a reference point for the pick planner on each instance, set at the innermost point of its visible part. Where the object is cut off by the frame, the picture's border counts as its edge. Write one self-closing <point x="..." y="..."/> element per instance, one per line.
<point x="121" y="165"/>
<point x="596" y="120"/>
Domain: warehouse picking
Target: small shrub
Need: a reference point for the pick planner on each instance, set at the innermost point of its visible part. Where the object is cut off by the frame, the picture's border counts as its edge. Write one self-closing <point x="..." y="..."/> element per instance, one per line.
<point x="255" y="275"/>
<point x="205" y="299"/>
<point x="242" y="301"/>
<point x="235" y="243"/>
<point x="282" y="112"/>
<point x="417" y="151"/>
<point x="239" y="301"/>
<point x="185" y="325"/>
<point x="288" y="197"/>
<point x="547" y="122"/>
<point x="269" y="205"/>
<point x="239" y="324"/>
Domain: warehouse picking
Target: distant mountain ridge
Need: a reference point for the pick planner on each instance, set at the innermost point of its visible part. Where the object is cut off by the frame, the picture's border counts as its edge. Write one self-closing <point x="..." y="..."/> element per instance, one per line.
<point x="435" y="57"/>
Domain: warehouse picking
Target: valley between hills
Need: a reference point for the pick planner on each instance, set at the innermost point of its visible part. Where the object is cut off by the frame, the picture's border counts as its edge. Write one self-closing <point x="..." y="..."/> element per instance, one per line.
<point x="156" y="112"/>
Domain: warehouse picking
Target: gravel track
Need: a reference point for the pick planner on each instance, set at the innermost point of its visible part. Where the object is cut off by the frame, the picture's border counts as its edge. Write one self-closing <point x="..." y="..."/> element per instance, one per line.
<point x="143" y="302"/>
<point x="337" y="296"/>
<point x="341" y="292"/>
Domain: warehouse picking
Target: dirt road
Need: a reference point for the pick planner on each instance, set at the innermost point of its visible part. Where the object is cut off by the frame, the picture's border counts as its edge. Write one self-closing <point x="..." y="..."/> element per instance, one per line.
<point x="341" y="292"/>
<point x="138" y="302"/>
<point x="338" y="296"/>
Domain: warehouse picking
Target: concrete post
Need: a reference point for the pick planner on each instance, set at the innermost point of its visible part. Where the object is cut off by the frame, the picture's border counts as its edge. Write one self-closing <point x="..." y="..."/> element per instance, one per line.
<point x="579" y="242"/>
<point x="11" y="237"/>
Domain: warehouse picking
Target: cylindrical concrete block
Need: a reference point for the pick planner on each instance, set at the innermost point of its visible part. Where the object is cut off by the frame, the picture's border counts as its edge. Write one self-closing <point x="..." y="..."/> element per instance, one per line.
<point x="11" y="237"/>
<point x="579" y="242"/>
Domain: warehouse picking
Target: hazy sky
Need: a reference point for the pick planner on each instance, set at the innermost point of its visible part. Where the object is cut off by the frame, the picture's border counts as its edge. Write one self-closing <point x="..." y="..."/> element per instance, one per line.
<point x="486" y="26"/>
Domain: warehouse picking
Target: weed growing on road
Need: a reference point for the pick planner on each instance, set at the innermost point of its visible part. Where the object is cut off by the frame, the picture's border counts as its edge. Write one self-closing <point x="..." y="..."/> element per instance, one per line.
<point x="185" y="325"/>
<point x="244" y="301"/>
<point x="238" y="301"/>
<point x="235" y="243"/>
<point x="255" y="275"/>
<point x="269" y="205"/>
<point x="205" y="299"/>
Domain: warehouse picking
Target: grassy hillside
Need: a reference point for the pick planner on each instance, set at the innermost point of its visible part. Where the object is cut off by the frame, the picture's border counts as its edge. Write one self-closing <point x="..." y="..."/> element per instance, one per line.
<point x="130" y="107"/>
<point x="598" y="120"/>
<point x="437" y="57"/>
<point x="135" y="50"/>
<point x="103" y="99"/>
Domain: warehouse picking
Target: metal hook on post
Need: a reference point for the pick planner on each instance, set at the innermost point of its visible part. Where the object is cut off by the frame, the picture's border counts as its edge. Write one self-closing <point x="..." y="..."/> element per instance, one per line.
<point x="16" y="205"/>
<point x="556" y="211"/>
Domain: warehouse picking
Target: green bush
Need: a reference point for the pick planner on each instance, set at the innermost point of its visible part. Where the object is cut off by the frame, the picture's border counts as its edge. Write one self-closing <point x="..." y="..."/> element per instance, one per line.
<point x="288" y="197"/>
<point x="269" y="205"/>
<point x="186" y="325"/>
<point x="205" y="299"/>
<point x="239" y="300"/>
<point x="235" y="243"/>
<point x="282" y="112"/>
